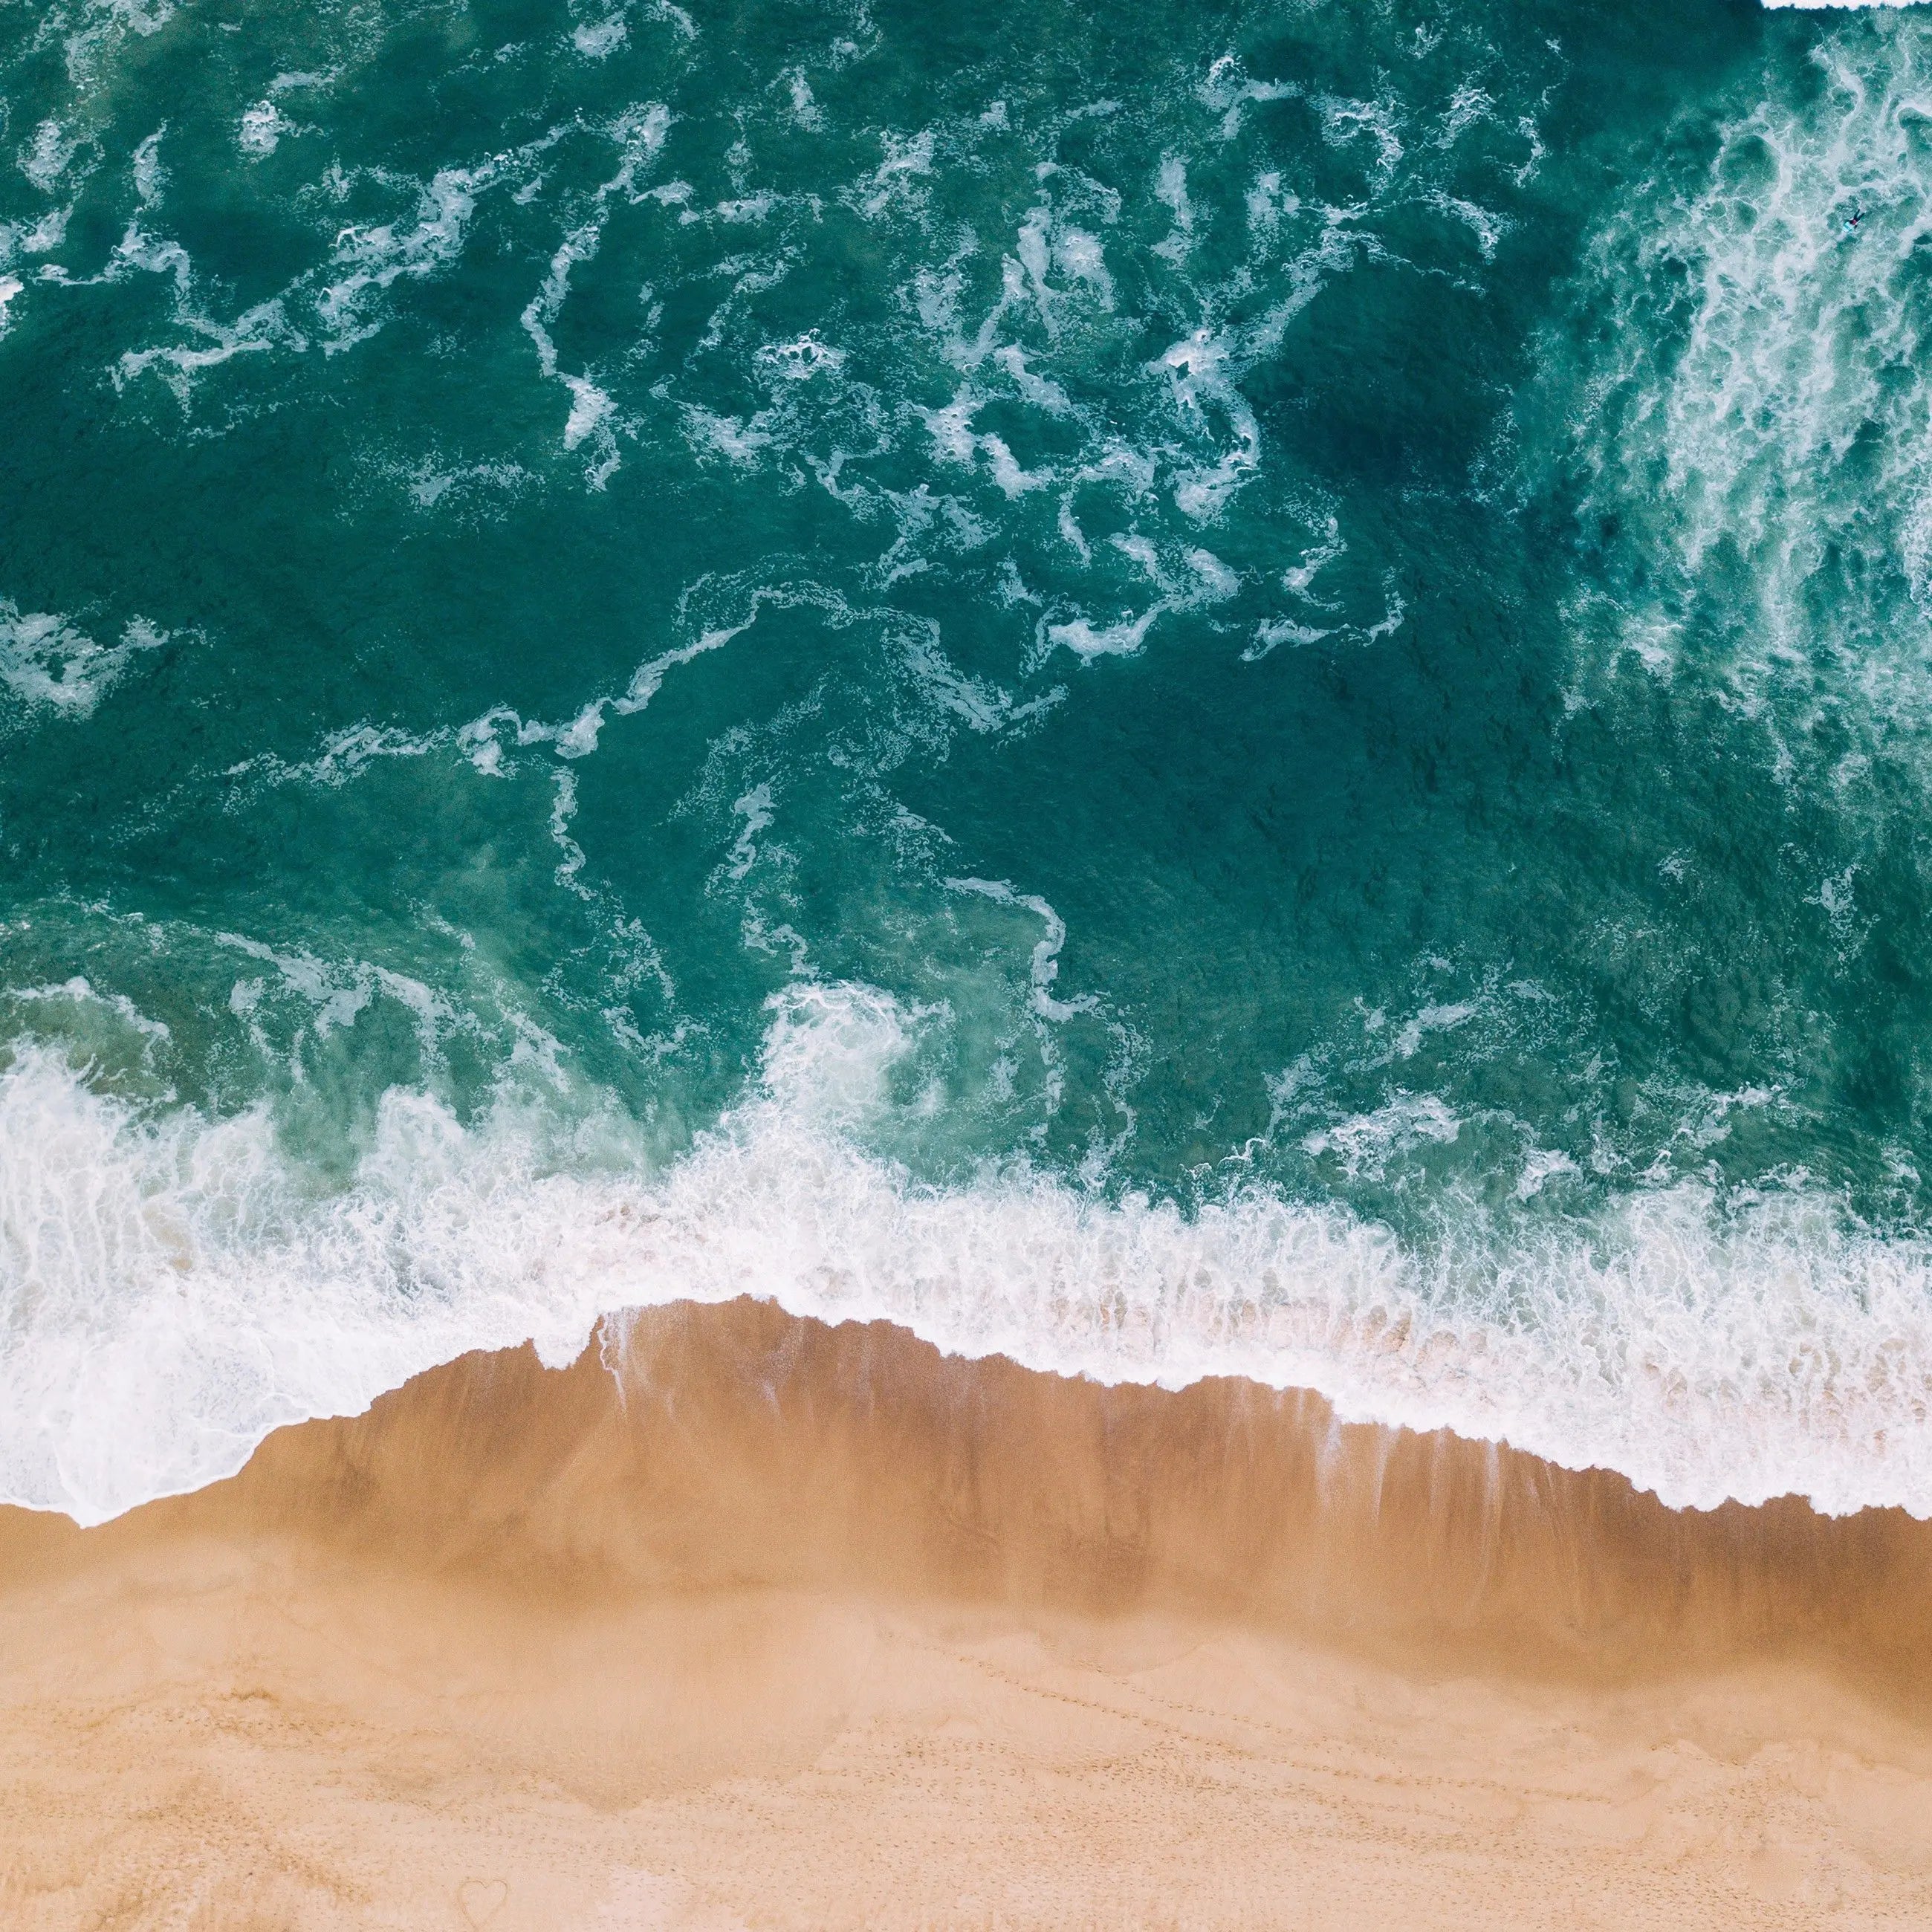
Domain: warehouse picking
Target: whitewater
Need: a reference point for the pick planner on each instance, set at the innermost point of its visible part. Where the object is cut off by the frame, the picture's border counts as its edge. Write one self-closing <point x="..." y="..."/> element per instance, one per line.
<point x="186" y="1301"/>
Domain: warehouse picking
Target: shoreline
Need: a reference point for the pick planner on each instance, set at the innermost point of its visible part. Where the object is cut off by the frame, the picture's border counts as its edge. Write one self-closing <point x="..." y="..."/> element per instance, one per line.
<point x="744" y="1619"/>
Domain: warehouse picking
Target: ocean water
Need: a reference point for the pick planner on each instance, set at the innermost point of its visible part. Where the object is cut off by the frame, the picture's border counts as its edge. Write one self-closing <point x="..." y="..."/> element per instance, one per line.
<point x="1176" y="689"/>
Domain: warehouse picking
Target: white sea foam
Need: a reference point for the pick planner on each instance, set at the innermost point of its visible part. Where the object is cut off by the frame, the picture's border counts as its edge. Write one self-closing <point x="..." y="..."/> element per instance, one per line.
<point x="45" y="160"/>
<point x="1755" y="407"/>
<point x="53" y="666"/>
<point x="150" y="178"/>
<point x="1088" y="640"/>
<point x="640" y="135"/>
<point x="172" y="1287"/>
<point x="367" y="261"/>
<point x="601" y="39"/>
<point x="262" y="128"/>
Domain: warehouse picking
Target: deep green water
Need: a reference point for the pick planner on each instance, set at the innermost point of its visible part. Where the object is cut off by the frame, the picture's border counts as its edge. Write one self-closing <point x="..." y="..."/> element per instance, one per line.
<point x="1172" y="687"/>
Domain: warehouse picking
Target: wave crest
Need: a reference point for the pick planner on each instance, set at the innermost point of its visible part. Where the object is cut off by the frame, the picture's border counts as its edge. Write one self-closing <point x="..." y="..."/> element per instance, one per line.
<point x="173" y="1287"/>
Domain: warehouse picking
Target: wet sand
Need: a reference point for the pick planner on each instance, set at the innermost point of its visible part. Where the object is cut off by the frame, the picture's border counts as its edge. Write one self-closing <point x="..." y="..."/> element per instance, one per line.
<point x="746" y="1621"/>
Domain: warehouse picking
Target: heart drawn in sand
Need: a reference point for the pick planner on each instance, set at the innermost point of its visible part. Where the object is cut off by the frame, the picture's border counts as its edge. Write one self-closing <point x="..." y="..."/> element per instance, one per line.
<point x="482" y="1899"/>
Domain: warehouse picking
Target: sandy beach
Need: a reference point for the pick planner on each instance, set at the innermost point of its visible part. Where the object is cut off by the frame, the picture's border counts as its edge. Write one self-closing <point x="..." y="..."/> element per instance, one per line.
<point x="744" y="1621"/>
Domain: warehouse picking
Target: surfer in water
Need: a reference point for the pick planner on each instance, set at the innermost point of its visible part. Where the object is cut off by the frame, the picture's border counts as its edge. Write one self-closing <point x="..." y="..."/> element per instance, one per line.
<point x="1852" y="220"/>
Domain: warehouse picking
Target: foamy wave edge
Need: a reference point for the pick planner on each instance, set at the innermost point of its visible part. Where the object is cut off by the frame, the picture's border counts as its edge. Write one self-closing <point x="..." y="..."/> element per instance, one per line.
<point x="169" y="1293"/>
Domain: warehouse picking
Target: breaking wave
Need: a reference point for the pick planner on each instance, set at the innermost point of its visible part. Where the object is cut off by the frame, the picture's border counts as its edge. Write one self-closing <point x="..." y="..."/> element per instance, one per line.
<point x="182" y="1288"/>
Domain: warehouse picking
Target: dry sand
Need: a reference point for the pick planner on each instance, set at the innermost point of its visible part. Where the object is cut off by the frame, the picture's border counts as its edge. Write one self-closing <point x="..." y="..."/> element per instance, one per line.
<point x="754" y="1622"/>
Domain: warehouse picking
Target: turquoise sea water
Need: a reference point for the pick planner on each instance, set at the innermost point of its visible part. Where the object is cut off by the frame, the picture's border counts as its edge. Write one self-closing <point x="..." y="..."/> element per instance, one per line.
<point x="1177" y="689"/>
